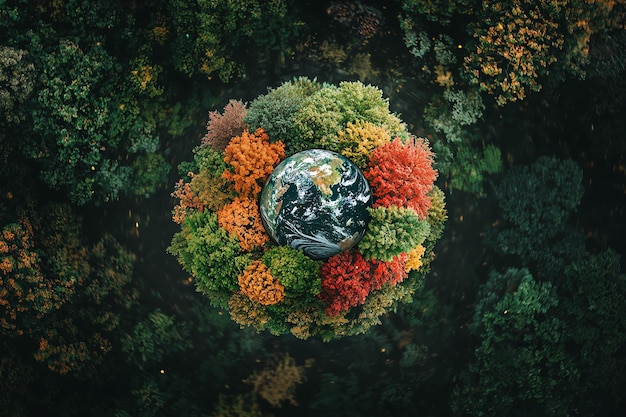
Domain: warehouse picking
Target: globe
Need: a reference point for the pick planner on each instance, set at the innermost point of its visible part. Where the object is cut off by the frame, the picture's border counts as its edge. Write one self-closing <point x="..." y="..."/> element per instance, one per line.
<point x="316" y="201"/>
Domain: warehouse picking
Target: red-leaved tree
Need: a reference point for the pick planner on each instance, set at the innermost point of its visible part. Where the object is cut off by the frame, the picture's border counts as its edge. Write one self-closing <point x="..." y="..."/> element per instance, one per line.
<point x="402" y="174"/>
<point x="346" y="282"/>
<point x="393" y="271"/>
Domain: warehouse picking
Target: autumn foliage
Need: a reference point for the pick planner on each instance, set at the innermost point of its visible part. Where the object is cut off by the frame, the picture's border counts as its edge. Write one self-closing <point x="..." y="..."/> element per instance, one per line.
<point x="393" y="271"/>
<point x="345" y="282"/>
<point x="348" y="278"/>
<point x="414" y="258"/>
<point x="223" y="242"/>
<point x="222" y="127"/>
<point x="359" y="140"/>
<point x="206" y="189"/>
<point x="401" y="174"/>
<point x="64" y="356"/>
<point x="252" y="159"/>
<point x="520" y="44"/>
<point x="242" y="219"/>
<point x="247" y="312"/>
<point x="258" y="283"/>
<point x="211" y="189"/>
<point x="26" y="294"/>
<point x="187" y="199"/>
<point x="277" y="384"/>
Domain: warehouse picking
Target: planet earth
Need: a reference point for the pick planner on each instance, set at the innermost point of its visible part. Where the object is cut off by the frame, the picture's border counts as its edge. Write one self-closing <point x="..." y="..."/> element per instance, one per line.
<point x="316" y="201"/>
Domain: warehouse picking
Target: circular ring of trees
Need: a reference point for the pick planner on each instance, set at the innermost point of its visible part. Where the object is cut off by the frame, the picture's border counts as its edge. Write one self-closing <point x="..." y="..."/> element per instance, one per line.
<point x="224" y="246"/>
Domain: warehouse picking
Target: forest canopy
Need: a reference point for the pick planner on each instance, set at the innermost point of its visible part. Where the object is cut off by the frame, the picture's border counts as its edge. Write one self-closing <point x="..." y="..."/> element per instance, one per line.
<point x="491" y="134"/>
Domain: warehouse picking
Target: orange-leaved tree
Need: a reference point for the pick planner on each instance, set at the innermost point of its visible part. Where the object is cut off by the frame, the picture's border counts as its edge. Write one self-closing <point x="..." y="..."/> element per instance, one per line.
<point x="252" y="159"/>
<point x="242" y="219"/>
<point x="258" y="283"/>
<point x="402" y="174"/>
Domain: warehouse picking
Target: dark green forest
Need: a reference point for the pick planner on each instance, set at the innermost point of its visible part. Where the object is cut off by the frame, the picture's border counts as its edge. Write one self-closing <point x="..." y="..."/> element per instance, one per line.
<point x="522" y="311"/>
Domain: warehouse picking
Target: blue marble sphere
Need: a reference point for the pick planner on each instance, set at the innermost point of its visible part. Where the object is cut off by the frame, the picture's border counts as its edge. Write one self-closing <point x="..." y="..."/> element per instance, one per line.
<point x="316" y="201"/>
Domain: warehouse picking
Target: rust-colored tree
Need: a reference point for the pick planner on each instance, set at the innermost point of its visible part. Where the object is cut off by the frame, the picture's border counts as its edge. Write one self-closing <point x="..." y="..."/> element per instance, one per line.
<point x="252" y="159"/>
<point x="222" y="127"/>
<point x="401" y="174"/>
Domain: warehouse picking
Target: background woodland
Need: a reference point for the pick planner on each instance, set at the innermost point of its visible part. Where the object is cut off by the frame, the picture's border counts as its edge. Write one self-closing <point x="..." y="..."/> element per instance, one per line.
<point x="524" y="309"/>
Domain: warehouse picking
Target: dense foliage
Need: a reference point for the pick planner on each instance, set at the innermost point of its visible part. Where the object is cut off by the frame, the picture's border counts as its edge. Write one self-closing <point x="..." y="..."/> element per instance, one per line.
<point x="522" y="102"/>
<point x="514" y="47"/>
<point x="96" y="113"/>
<point x="518" y="330"/>
<point x="401" y="176"/>
<point x="535" y="229"/>
<point x="540" y="330"/>
<point x="502" y="53"/>
<point x="64" y="296"/>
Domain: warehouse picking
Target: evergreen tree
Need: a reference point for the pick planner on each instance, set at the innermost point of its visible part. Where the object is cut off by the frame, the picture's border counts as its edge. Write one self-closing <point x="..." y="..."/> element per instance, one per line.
<point x="536" y="229"/>
<point x="521" y="365"/>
